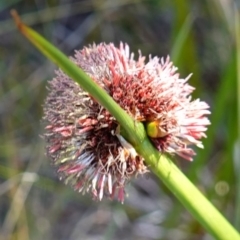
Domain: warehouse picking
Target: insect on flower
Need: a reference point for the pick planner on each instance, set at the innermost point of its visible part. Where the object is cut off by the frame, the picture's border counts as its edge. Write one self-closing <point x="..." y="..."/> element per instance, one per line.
<point x="83" y="139"/>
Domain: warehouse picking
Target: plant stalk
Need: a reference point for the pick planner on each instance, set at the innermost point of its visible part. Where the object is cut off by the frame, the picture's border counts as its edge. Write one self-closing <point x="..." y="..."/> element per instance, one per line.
<point x="135" y="133"/>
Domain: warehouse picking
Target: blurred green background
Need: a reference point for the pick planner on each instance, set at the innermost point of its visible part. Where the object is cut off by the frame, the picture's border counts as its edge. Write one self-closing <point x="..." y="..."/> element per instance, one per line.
<point x="202" y="37"/>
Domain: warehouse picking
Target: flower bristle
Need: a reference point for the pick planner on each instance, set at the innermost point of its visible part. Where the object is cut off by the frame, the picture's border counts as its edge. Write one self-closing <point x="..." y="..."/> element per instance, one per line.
<point x="82" y="137"/>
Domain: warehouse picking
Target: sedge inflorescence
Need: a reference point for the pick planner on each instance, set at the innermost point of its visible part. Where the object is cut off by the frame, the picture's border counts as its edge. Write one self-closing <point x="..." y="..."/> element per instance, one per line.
<point x="83" y="138"/>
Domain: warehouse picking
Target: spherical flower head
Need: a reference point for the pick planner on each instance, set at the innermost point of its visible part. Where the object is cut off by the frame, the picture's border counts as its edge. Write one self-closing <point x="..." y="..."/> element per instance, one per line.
<point x="83" y="138"/>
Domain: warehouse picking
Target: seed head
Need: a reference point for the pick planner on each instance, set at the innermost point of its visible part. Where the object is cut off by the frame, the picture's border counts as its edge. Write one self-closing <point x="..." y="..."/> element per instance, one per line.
<point x="83" y="138"/>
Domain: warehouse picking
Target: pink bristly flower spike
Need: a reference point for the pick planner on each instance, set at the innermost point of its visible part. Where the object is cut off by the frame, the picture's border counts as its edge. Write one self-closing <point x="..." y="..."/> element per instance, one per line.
<point x="82" y="137"/>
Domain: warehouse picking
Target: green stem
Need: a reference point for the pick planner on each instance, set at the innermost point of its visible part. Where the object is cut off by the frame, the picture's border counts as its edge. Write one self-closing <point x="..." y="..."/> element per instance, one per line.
<point x="135" y="133"/>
